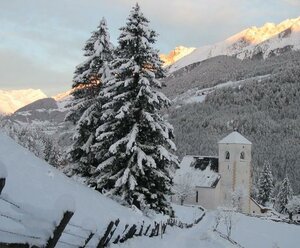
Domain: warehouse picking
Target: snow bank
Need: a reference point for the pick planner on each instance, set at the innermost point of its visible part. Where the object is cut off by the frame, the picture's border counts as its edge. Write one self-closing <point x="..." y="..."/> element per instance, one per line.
<point x="43" y="193"/>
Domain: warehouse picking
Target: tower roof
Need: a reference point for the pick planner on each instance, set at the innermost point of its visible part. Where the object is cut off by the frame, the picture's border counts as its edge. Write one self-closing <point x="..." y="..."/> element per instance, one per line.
<point x="235" y="138"/>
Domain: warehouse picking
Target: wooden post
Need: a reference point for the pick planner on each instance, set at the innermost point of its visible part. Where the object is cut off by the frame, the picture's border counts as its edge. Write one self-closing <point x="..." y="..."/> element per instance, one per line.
<point x="87" y="240"/>
<point x="2" y="184"/>
<point x="164" y="228"/>
<point x="141" y="230"/>
<point x="52" y="241"/>
<point x="129" y="234"/>
<point x="119" y="236"/>
<point x="145" y="234"/>
<point x="13" y="245"/>
<point x="111" y="234"/>
<point x="103" y="239"/>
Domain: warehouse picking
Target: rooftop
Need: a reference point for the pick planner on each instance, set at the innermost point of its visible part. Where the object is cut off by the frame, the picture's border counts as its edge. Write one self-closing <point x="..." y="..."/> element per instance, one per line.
<point x="199" y="171"/>
<point x="235" y="138"/>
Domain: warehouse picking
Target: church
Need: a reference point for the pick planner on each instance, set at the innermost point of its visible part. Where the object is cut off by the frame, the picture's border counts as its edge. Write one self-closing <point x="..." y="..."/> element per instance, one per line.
<point x="221" y="181"/>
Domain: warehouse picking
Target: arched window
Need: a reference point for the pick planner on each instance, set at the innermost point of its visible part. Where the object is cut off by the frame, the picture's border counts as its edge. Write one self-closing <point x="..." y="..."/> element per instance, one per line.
<point x="227" y="155"/>
<point x="242" y="155"/>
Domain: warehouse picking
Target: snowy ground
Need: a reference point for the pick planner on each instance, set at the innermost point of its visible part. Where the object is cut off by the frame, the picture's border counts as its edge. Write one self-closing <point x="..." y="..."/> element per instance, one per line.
<point x="42" y="193"/>
<point x="248" y="232"/>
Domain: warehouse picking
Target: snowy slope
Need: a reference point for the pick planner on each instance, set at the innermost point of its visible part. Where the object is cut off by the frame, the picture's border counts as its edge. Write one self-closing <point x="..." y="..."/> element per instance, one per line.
<point x="11" y="100"/>
<point x="36" y="186"/>
<point x="268" y="40"/>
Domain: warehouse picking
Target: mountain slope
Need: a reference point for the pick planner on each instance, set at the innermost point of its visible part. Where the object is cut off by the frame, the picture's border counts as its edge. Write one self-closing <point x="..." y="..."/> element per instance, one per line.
<point x="11" y="100"/>
<point x="268" y="40"/>
<point x="265" y="109"/>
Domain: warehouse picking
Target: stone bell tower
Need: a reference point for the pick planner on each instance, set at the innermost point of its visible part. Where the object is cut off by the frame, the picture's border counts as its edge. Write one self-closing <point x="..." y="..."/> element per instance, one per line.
<point x="235" y="170"/>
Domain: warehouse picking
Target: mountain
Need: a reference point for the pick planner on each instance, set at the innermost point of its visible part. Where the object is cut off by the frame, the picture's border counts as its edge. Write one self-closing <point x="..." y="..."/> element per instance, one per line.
<point x="11" y="100"/>
<point x="41" y="123"/>
<point x="176" y="54"/>
<point x="260" y="98"/>
<point x="254" y="42"/>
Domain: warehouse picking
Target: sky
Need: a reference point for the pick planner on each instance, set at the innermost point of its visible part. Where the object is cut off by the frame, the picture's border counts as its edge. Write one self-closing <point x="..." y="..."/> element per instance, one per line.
<point x="41" y="41"/>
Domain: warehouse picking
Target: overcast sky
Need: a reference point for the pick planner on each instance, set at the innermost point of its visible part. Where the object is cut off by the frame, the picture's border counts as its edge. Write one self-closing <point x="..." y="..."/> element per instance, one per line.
<point x="41" y="40"/>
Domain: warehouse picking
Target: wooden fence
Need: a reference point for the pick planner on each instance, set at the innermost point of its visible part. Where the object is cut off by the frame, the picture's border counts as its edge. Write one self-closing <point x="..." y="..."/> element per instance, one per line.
<point x="114" y="233"/>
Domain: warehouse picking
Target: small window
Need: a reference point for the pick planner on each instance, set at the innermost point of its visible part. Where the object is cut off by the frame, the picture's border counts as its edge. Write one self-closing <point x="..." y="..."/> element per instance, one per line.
<point x="242" y="155"/>
<point x="196" y="196"/>
<point x="227" y="155"/>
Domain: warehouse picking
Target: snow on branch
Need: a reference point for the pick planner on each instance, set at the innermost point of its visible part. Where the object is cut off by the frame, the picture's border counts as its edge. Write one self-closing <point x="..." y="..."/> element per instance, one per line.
<point x="106" y="163"/>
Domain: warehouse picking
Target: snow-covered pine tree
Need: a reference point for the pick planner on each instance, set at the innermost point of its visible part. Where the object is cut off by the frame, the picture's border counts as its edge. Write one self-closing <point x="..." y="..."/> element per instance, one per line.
<point x="265" y="185"/>
<point x="87" y="87"/>
<point x="285" y="194"/>
<point x="134" y="141"/>
<point x="98" y="51"/>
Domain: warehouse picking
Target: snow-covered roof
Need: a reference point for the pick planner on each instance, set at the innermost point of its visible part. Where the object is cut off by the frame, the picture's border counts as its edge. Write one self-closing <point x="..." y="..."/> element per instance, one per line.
<point x="235" y="138"/>
<point x="198" y="171"/>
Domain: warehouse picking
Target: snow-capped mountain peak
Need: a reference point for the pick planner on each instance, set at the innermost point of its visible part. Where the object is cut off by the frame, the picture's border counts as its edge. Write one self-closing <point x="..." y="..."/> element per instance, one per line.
<point x="262" y="42"/>
<point x="12" y="100"/>
<point x="256" y="35"/>
<point x="176" y="54"/>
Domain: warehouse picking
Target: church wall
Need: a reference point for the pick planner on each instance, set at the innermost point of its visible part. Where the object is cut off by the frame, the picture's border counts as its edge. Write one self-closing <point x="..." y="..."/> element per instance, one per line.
<point x="208" y="197"/>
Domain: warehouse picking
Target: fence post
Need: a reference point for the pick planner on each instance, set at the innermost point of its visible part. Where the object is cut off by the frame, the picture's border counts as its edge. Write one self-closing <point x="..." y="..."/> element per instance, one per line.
<point x="52" y="241"/>
<point x="88" y="239"/>
<point x="129" y="234"/>
<point x="2" y="184"/>
<point x="14" y="245"/>
<point x="141" y="230"/>
<point x="103" y="239"/>
<point x="111" y="234"/>
<point x="145" y="234"/>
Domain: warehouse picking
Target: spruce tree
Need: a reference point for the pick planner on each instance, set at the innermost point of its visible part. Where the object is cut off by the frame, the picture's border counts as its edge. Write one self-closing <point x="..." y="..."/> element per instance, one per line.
<point x="133" y="140"/>
<point x="285" y="194"/>
<point x="265" y="185"/>
<point x="98" y="50"/>
<point x="87" y="81"/>
<point x="87" y="84"/>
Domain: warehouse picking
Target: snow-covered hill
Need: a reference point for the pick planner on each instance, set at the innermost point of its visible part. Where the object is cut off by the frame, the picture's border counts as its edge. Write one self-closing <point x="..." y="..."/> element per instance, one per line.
<point x="11" y="100"/>
<point x="36" y="186"/>
<point x="263" y="42"/>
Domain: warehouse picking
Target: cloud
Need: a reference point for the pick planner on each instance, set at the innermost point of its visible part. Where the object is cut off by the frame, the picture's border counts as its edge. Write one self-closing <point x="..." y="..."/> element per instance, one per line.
<point x="18" y="71"/>
<point x="293" y="2"/>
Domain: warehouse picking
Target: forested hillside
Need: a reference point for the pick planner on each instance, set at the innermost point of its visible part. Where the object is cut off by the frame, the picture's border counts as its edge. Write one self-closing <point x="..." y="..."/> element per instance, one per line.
<point x="265" y="111"/>
<point x="222" y="69"/>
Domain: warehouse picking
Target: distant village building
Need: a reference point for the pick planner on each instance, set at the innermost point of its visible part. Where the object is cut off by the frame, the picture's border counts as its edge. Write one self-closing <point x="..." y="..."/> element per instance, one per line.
<point x="219" y="181"/>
